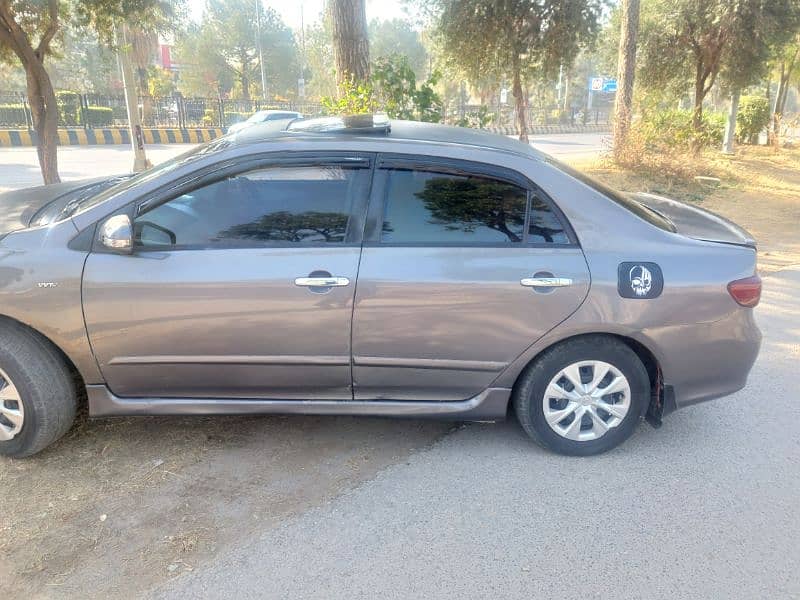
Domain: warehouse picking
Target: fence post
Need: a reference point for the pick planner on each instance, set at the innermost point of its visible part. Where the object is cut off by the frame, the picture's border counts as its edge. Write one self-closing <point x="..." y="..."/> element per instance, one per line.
<point x="26" y="109"/>
<point x="221" y="104"/>
<point x="181" y="110"/>
<point x="84" y="100"/>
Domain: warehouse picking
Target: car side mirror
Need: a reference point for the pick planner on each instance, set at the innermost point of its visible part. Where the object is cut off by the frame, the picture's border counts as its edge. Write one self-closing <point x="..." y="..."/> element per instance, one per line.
<point x="116" y="234"/>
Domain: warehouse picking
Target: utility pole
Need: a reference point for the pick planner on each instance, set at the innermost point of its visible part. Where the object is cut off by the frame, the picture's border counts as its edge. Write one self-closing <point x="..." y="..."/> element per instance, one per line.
<point x="261" y="51"/>
<point x="301" y="82"/>
<point x="140" y="162"/>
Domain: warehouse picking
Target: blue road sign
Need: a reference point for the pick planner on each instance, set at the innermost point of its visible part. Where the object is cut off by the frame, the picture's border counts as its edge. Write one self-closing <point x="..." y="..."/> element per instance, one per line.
<point x="609" y="85"/>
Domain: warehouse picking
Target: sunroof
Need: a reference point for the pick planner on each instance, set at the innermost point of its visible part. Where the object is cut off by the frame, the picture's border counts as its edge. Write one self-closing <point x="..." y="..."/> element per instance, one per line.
<point x="345" y="124"/>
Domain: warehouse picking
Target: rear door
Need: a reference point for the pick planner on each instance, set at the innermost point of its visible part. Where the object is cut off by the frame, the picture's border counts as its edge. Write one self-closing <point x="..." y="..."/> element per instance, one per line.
<point x="464" y="266"/>
<point x="241" y="287"/>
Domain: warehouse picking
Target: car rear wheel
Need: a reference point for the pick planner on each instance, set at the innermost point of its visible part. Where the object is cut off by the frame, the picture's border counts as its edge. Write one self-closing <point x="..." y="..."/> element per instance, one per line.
<point x="38" y="397"/>
<point x="583" y="396"/>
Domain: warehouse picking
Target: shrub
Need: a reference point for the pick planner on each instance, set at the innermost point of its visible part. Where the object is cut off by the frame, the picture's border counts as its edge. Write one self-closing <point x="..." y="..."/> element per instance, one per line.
<point x="99" y="116"/>
<point x="476" y="119"/>
<point x="662" y="144"/>
<point x="354" y="99"/>
<point x="673" y="129"/>
<point x="12" y="115"/>
<point x="752" y="118"/>
<point x="69" y="108"/>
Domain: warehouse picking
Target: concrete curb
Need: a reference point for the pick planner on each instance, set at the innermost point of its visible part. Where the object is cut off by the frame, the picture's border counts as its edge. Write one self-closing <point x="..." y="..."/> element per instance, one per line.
<point x="116" y="135"/>
<point x="545" y="129"/>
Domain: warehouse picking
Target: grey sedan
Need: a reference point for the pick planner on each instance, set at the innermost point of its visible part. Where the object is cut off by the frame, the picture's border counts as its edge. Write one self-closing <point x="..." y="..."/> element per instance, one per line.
<point x="367" y="267"/>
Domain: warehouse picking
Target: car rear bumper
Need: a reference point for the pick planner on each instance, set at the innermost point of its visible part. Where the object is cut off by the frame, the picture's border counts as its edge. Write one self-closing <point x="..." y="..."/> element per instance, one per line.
<point x="713" y="360"/>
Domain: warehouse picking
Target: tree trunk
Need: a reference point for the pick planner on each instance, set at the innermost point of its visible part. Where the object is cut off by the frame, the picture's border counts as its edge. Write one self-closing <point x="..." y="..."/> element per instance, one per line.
<point x="700" y="90"/>
<point x="350" y="41"/>
<point x="626" y="72"/>
<point x="520" y="101"/>
<point x="44" y="111"/>
<point x="245" y="81"/>
<point x="787" y="70"/>
<point x="730" y="125"/>
<point x="42" y="98"/>
<point x="147" y="99"/>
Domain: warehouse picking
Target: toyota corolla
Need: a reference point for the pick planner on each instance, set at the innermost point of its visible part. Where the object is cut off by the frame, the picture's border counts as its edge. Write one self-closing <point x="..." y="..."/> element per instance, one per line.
<point x="345" y="267"/>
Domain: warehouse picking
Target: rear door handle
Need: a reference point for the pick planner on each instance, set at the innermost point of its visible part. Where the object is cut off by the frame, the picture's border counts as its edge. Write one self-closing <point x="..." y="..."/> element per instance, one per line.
<point x="315" y="282"/>
<point x="546" y="282"/>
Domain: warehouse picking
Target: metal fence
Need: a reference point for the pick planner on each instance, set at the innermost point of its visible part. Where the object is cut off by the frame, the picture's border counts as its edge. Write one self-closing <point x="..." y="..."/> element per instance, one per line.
<point x="481" y="116"/>
<point x="100" y="110"/>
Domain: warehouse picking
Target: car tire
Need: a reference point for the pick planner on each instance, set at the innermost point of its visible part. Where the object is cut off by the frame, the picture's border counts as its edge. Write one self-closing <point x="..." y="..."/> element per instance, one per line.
<point x="45" y="387"/>
<point x="530" y="403"/>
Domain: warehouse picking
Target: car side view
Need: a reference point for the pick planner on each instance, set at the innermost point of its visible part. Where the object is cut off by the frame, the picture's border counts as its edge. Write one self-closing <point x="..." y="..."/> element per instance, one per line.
<point x="337" y="266"/>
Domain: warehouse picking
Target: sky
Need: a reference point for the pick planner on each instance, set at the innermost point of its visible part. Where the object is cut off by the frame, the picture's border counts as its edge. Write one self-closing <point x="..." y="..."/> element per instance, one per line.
<point x="290" y="10"/>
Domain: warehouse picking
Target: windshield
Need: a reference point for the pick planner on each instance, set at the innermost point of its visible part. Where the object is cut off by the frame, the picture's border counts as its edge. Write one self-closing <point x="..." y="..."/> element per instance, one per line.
<point x="85" y="203"/>
<point x="257" y="117"/>
<point x="640" y="210"/>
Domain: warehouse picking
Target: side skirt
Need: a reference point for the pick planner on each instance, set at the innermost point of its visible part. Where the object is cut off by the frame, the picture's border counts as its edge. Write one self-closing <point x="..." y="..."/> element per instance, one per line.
<point x="490" y="405"/>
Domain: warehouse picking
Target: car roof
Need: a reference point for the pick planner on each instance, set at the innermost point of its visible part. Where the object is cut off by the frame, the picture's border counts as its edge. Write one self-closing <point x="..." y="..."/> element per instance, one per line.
<point x="397" y="131"/>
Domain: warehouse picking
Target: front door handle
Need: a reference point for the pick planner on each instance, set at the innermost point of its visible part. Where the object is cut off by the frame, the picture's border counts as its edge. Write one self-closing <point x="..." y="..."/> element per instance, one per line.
<point x="322" y="282"/>
<point x="546" y="282"/>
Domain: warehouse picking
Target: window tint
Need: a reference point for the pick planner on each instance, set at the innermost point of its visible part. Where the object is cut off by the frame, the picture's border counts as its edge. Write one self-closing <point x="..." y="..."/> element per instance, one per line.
<point x="429" y="207"/>
<point x="271" y="206"/>
<point x="544" y="226"/>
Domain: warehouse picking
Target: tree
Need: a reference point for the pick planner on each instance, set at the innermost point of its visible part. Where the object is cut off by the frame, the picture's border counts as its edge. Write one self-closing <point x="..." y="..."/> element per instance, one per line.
<point x="396" y="37"/>
<point x="396" y="91"/>
<point x="29" y="30"/>
<point x="698" y="41"/>
<point x="204" y="71"/>
<point x="320" y="73"/>
<point x="143" y="46"/>
<point x="788" y="62"/>
<point x="230" y="27"/>
<point x="626" y="72"/>
<point x="515" y="38"/>
<point x="350" y="40"/>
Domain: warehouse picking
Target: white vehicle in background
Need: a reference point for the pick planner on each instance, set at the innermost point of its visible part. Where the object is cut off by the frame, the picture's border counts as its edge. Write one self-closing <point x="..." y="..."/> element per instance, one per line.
<point x="263" y="116"/>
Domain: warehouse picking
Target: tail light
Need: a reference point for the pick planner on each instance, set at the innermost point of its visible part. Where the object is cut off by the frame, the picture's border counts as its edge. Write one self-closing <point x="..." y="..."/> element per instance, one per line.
<point x="747" y="291"/>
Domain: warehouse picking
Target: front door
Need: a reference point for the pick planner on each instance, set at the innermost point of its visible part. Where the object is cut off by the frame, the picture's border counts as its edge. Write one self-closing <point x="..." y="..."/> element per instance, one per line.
<point x="463" y="268"/>
<point x="241" y="288"/>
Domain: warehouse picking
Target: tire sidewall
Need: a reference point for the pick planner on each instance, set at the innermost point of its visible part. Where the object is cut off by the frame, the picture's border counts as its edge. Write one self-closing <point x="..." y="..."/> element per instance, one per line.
<point x="620" y="357"/>
<point x="15" y="371"/>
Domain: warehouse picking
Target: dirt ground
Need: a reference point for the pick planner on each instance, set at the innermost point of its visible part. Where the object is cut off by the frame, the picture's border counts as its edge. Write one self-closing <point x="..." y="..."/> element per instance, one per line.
<point x="121" y="505"/>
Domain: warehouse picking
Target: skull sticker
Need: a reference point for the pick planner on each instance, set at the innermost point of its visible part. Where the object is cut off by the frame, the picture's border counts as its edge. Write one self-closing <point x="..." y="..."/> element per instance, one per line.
<point x="640" y="280"/>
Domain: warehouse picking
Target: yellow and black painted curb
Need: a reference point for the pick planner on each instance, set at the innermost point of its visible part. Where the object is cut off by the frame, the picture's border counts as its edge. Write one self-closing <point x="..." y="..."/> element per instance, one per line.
<point x="100" y="137"/>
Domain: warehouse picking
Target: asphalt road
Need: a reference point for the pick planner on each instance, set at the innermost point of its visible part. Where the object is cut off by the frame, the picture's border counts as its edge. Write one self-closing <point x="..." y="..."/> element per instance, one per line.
<point x="705" y="507"/>
<point x="19" y="167"/>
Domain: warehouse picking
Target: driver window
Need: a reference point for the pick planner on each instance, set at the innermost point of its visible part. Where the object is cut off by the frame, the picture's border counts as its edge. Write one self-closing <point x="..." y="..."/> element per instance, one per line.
<point x="271" y="206"/>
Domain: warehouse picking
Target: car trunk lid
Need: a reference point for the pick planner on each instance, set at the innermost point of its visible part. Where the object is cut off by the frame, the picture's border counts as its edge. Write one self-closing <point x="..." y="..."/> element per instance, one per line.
<point x="696" y="223"/>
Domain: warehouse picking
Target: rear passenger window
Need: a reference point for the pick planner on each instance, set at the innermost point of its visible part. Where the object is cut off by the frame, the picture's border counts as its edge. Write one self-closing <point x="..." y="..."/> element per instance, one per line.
<point x="428" y="207"/>
<point x="425" y="207"/>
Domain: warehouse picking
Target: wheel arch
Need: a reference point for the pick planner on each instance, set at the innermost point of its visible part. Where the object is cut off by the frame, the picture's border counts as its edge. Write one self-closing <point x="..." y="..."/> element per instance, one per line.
<point x="79" y="380"/>
<point x="649" y="359"/>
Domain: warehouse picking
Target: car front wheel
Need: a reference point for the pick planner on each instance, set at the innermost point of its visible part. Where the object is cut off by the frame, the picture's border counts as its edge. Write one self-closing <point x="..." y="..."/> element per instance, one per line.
<point x="583" y="396"/>
<point x="38" y="396"/>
